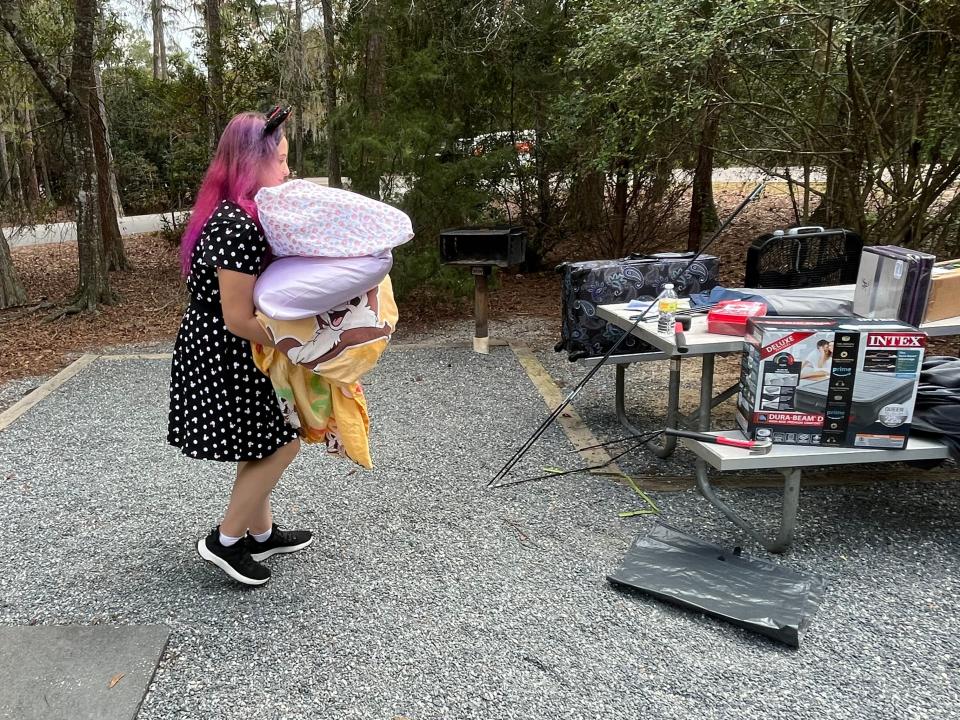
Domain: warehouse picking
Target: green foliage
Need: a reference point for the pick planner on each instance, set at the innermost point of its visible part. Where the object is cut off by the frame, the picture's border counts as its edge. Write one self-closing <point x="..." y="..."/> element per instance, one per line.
<point x="609" y="98"/>
<point x="158" y="133"/>
<point x="438" y="76"/>
<point x="417" y="265"/>
<point x="159" y="129"/>
<point x="444" y="195"/>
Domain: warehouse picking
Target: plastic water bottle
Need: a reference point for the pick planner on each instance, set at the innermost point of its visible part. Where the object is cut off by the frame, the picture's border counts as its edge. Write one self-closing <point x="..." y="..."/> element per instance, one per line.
<point x="667" y="307"/>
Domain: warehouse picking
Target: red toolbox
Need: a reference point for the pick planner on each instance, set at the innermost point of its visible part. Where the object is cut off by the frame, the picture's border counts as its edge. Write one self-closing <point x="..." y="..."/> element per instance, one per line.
<point x="729" y="317"/>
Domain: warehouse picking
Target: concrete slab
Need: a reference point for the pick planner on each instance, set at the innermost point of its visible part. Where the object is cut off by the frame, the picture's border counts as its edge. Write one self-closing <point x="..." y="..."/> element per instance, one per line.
<point x="69" y="672"/>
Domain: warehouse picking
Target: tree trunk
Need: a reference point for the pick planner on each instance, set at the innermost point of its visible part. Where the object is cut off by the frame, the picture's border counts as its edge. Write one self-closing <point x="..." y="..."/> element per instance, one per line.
<point x="94" y="282"/>
<point x="538" y="250"/>
<point x="522" y="197"/>
<point x="837" y="207"/>
<point x="40" y="152"/>
<point x="6" y="188"/>
<point x="376" y="76"/>
<point x="107" y="195"/>
<point x="367" y="180"/>
<point x="703" y="210"/>
<point x="544" y="195"/>
<point x="109" y="225"/>
<point x="159" y="41"/>
<point x="31" y="184"/>
<point x="297" y="90"/>
<point x="16" y="184"/>
<point x="11" y="290"/>
<point x="94" y="286"/>
<point x="585" y="201"/>
<point x="330" y="97"/>
<point x="104" y="124"/>
<point x="618" y="229"/>
<point x="215" y="110"/>
<point x="11" y="15"/>
<point x="841" y="206"/>
<point x="45" y="175"/>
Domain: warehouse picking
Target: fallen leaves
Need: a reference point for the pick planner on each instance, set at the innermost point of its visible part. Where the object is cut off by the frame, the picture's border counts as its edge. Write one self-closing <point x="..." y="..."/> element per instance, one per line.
<point x="152" y="297"/>
<point x="114" y="680"/>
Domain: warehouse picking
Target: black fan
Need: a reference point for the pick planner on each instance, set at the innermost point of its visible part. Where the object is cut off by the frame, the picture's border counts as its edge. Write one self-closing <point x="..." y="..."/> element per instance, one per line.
<point x="803" y="257"/>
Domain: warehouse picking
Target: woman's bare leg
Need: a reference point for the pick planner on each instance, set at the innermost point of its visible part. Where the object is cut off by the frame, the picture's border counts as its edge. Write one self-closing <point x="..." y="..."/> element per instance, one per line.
<point x="250" y="500"/>
<point x="262" y="518"/>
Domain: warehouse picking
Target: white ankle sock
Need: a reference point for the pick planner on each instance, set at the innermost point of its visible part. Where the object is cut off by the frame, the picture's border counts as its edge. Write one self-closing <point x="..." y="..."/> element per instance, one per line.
<point x="262" y="537"/>
<point x="228" y="540"/>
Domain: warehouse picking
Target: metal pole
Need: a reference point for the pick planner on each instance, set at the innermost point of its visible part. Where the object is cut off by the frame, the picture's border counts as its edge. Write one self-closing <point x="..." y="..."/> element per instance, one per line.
<point x="481" y="340"/>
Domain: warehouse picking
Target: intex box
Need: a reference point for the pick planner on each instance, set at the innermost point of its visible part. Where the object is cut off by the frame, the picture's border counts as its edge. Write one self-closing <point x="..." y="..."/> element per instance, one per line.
<point x="830" y="381"/>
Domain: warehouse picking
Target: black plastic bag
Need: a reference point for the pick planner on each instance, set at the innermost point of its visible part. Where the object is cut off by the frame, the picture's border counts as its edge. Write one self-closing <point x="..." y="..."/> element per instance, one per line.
<point x="749" y="592"/>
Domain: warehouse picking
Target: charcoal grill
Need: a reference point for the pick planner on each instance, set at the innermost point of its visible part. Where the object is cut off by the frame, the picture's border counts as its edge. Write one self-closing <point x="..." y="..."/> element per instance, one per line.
<point x="482" y="249"/>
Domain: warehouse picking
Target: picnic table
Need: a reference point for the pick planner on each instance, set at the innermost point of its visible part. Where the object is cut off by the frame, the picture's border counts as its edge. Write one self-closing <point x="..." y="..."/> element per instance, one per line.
<point x="787" y="459"/>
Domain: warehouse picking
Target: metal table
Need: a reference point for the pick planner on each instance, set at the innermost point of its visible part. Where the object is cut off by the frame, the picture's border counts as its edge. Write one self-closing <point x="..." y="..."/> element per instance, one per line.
<point x="788" y="459"/>
<point x="700" y="343"/>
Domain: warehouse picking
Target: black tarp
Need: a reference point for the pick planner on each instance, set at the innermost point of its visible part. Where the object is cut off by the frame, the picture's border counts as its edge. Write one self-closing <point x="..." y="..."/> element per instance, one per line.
<point x="936" y="412"/>
<point x="752" y="593"/>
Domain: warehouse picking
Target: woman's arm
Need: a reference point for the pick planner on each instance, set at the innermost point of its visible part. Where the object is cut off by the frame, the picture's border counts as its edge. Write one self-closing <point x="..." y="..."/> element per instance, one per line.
<point x="236" y="297"/>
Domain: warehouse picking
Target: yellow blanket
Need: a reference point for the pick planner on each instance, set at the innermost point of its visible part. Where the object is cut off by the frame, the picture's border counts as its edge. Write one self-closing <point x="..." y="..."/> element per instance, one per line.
<point x="316" y="366"/>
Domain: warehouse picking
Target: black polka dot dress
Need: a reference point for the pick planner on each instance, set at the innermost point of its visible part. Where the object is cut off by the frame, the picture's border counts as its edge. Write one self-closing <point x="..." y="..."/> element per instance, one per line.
<point x="221" y="406"/>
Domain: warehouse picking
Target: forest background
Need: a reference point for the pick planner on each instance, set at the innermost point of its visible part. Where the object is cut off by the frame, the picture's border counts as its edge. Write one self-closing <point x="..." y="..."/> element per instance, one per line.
<point x="598" y="125"/>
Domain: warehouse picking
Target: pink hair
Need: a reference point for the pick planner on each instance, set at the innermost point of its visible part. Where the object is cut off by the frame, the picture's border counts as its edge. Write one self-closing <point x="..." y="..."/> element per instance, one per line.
<point x="233" y="175"/>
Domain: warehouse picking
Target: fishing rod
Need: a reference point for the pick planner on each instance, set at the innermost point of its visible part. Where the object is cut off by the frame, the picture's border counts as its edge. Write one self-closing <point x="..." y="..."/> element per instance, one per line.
<point x="646" y="438"/>
<point x="516" y="457"/>
<point x="755" y="447"/>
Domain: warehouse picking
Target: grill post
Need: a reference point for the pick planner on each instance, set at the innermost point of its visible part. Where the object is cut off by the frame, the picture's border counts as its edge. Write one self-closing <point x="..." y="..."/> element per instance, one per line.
<point x="481" y="339"/>
<point x="481" y="249"/>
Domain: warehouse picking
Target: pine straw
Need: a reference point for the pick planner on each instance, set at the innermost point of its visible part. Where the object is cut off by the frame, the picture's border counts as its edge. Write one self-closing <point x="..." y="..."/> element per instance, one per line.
<point x="513" y="295"/>
<point x="152" y="297"/>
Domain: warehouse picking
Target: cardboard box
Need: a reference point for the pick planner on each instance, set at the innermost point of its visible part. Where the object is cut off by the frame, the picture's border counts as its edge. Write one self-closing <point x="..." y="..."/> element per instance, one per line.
<point x="944" y="299"/>
<point x="846" y="382"/>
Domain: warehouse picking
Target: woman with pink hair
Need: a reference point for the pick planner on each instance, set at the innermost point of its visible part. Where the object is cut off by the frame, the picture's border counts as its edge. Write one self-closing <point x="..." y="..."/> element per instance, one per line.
<point x="221" y="406"/>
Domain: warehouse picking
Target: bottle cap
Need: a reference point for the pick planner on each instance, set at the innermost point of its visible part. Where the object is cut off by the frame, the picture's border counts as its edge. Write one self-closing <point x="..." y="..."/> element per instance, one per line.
<point x="668" y="286"/>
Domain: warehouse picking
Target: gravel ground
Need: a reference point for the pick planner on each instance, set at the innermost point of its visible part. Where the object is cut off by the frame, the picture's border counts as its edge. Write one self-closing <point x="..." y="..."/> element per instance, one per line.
<point x="13" y="391"/>
<point x="427" y="596"/>
<point x="538" y="333"/>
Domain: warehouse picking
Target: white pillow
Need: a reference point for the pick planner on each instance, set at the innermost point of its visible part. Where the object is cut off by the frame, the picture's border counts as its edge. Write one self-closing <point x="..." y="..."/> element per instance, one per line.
<point x="302" y="218"/>
<point x="292" y="288"/>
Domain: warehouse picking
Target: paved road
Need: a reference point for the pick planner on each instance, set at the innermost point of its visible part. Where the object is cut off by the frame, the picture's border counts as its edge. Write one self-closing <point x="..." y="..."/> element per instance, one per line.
<point x="132" y="225"/>
<point x="67" y="232"/>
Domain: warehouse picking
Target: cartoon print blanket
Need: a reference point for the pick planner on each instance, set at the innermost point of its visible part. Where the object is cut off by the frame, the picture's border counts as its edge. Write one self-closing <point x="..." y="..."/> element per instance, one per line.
<point x="317" y="364"/>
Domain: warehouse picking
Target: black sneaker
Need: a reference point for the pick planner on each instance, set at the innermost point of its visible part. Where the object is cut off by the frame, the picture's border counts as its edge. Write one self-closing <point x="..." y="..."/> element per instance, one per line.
<point x="235" y="560"/>
<point x="280" y="541"/>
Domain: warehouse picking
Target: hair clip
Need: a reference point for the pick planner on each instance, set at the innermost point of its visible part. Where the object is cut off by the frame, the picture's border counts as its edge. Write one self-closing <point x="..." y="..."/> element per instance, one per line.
<point x="275" y="119"/>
